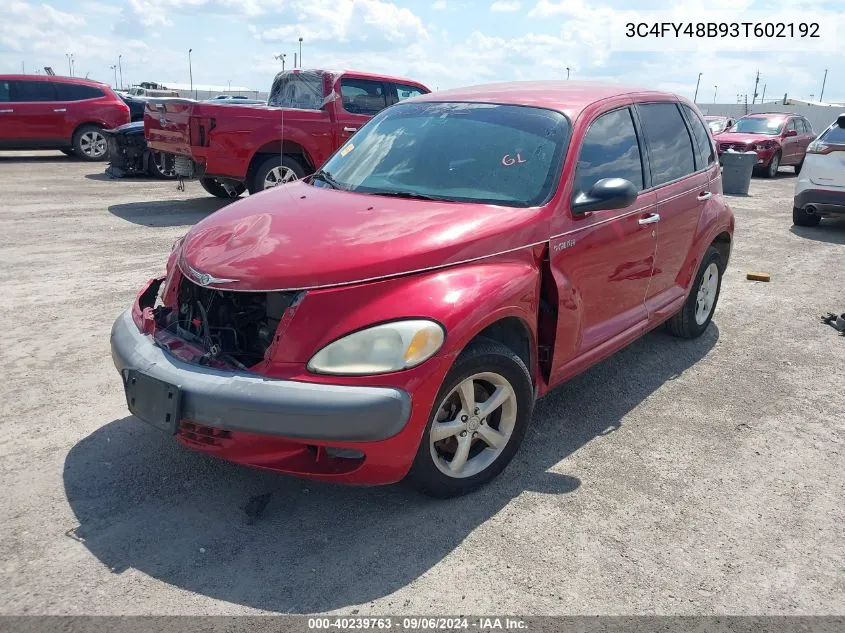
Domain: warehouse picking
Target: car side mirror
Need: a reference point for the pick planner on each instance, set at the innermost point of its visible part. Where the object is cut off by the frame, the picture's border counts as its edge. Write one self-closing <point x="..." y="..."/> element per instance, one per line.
<point x="840" y="120"/>
<point x="789" y="133"/>
<point x="607" y="193"/>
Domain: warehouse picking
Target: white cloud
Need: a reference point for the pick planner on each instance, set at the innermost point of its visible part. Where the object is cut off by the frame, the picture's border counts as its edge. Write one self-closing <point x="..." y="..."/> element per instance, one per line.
<point x="505" y="6"/>
<point x="439" y="5"/>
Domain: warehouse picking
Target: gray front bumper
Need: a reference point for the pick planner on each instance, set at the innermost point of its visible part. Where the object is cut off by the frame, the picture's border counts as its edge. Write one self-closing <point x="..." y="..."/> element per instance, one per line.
<point x="241" y="401"/>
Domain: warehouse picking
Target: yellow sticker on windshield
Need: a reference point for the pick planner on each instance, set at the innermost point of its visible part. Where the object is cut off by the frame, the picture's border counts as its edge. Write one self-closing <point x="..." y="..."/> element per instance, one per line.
<point x="347" y="149"/>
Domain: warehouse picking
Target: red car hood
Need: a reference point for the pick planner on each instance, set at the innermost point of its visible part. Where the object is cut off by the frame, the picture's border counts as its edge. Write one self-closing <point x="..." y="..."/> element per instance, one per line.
<point x="746" y="139"/>
<point x="299" y="236"/>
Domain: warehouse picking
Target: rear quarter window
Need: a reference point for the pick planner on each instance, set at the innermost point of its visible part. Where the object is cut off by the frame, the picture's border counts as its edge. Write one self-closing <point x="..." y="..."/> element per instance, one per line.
<point x="76" y="92"/>
<point x="5" y="91"/>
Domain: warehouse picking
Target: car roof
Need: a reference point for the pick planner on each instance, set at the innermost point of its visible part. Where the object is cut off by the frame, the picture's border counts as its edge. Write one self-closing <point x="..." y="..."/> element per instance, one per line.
<point x="569" y="97"/>
<point x="56" y="78"/>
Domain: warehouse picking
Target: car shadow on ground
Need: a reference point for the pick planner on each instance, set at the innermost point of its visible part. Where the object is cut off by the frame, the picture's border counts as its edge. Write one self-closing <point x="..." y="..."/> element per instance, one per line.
<point x="168" y="212"/>
<point x="831" y="230"/>
<point x="144" y="502"/>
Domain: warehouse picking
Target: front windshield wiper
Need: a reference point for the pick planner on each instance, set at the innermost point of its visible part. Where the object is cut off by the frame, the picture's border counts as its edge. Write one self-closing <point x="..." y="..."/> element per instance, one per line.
<point x="404" y="194"/>
<point x="327" y="178"/>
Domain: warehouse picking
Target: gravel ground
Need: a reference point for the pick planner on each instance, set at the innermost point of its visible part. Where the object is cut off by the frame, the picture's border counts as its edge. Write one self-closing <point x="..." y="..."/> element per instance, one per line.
<point x="675" y="478"/>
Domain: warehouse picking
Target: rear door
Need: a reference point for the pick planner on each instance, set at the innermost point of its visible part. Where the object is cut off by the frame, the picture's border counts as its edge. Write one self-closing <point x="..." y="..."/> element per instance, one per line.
<point x="7" y="113"/>
<point x="681" y="188"/>
<point x="361" y="100"/>
<point x="806" y="136"/>
<point x="790" y="144"/>
<point x="37" y="117"/>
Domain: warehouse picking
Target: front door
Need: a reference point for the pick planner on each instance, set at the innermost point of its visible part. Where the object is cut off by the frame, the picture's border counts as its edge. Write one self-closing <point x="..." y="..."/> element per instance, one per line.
<point x="361" y="99"/>
<point x="603" y="262"/>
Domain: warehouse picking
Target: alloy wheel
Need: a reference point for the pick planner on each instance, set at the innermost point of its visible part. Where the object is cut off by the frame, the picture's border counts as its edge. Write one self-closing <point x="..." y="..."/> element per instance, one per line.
<point x="93" y="144"/>
<point x="278" y="176"/>
<point x="706" y="298"/>
<point x="473" y="425"/>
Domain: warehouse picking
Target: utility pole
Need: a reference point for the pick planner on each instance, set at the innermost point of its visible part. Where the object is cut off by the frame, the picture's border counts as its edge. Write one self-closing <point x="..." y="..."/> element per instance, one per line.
<point x="715" y="90"/>
<point x="695" y="98"/>
<point x="763" y="98"/>
<point x="756" y="83"/>
<point x="567" y="73"/>
<point x="120" y="69"/>
<point x="824" y="81"/>
<point x="191" y="71"/>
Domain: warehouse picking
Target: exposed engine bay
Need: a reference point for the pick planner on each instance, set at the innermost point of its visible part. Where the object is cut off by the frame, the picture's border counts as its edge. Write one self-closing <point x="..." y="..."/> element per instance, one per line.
<point x="129" y="154"/>
<point x="234" y="328"/>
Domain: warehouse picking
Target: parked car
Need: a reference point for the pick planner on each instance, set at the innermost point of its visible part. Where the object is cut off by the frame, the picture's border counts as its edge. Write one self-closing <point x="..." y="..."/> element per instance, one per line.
<point x="718" y="124"/>
<point x="778" y="138"/>
<point x="232" y="150"/>
<point x="64" y="113"/>
<point x="396" y="314"/>
<point x="136" y="106"/>
<point x="236" y="101"/>
<point x="144" y="91"/>
<point x="820" y="190"/>
<point x="130" y="156"/>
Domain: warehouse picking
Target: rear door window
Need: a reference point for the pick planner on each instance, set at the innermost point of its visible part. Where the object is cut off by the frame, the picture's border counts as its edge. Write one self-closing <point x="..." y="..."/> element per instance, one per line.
<point x="76" y="92"/>
<point x="703" y="147"/>
<point x="610" y="150"/>
<point x="670" y="149"/>
<point x="32" y="90"/>
<point x="363" y="96"/>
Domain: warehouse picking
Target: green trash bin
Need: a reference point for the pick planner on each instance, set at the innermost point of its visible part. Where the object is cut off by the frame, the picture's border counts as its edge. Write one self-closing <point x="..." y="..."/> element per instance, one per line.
<point x="736" y="171"/>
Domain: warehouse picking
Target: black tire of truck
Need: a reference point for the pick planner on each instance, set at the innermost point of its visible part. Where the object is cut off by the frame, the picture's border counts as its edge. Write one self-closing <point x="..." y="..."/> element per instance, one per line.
<point x="216" y="188"/>
<point x="288" y="165"/>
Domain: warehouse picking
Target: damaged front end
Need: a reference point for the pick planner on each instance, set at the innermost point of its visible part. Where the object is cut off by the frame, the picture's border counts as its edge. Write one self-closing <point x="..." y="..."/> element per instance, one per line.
<point x="129" y="154"/>
<point x="212" y="327"/>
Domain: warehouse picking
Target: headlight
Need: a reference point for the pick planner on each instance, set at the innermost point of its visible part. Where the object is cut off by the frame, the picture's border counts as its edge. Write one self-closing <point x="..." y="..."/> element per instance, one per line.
<point x="380" y="349"/>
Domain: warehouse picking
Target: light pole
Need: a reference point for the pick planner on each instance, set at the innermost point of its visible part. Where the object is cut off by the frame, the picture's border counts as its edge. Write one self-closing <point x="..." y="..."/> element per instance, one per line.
<point x="281" y="56"/>
<point x="300" y="52"/>
<point x="824" y="81"/>
<point x="230" y="85"/>
<point x="191" y="71"/>
<point x="120" y="69"/>
<point x="715" y="90"/>
<point x="695" y="98"/>
<point x="567" y="73"/>
<point x="114" y="68"/>
<point x="69" y="63"/>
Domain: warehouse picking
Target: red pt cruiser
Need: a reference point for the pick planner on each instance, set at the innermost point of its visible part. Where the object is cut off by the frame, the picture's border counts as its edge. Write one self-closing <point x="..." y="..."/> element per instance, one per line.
<point x="396" y="314"/>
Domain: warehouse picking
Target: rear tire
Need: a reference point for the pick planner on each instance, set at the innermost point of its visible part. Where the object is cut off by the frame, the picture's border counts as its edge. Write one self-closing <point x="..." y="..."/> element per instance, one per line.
<point x="276" y="170"/>
<point x="486" y="368"/>
<point x="695" y="316"/>
<point x="802" y="218"/>
<point x="771" y="170"/>
<point x="89" y="143"/>
<point x="216" y="188"/>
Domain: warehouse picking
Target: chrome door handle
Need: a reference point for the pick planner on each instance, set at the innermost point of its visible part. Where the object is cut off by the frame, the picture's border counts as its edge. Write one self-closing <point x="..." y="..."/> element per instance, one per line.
<point x="7" y="111"/>
<point x="704" y="195"/>
<point x="59" y="109"/>
<point x="350" y="129"/>
<point x="651" y="218"/>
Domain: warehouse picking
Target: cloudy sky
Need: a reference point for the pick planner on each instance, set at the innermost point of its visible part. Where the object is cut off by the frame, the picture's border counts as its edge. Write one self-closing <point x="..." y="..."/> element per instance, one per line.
<point x="443" y="43"/>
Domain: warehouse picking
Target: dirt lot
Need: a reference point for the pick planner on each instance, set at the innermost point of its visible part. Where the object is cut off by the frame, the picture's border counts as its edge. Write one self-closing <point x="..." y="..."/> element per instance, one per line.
<point x="677" y="477"/>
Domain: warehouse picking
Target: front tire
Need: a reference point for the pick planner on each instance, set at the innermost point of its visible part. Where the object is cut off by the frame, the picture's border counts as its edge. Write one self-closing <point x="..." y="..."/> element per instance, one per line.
<point x="798" y="167"/>
<point x="479" y="420"/>
<point x="802" y="218"/>
<point x="216" y="188"/>
<point x="275" y="171"/>
<point x="695" y="316"/>
<point x="161" y="165"/>
<point x="89" y="143"/>
<point x="772" y="170"/>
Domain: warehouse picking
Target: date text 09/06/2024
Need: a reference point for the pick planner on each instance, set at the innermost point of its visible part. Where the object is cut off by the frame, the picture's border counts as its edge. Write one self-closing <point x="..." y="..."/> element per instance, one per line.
<point x="722" y="29"/>
<point x="417" y="624"/>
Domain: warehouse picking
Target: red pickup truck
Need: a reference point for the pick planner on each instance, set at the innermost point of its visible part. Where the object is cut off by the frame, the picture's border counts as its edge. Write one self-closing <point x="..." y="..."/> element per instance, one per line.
<point x="308" y="115"/>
